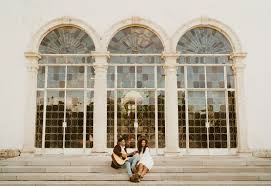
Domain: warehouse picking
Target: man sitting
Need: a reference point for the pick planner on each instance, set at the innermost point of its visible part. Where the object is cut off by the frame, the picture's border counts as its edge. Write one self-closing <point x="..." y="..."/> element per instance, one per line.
<point x="121" y="151"/>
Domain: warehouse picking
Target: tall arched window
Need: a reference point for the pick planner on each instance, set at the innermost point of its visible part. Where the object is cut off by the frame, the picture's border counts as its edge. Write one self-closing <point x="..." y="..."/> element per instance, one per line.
<point x="135" y="85"/>
<point x="65" y="90"/>
<point x="206" y="90"/>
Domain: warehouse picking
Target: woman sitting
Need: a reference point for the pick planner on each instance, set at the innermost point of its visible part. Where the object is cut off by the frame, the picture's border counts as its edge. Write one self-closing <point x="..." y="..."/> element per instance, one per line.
<point x="146" y="162"/>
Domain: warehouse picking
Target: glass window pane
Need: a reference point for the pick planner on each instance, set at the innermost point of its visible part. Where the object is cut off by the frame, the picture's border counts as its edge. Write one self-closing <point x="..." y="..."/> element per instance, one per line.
<point x="56" y="77"/>
<point x="145" y="113"/>
<point x="41" y="77"/>
<point x="54" y="119"/>
<point x="110" y="119"/>
<point x="111" y="77"/>
<point x="90" y="76"/>
<point x="161" y="118"/>
<point x="126" y="77"/>
<point x="215" y="77"/>
<point x="39" y="118"/>
<point x="66" y="40"/>
<point x="195" y="77"/>
<point x="232" y="119"/>
<point x="180" y="77"/>
<point x="217" y="119"/>
<point x="160" y="77"/>
<point x="230" y="77"/>
<point x="134" y="40"/>
<point x="181" y="119"/>
<point x="75" y="76"/>
<point x="136" y="60"/>
<point x="204" y="40"/>
<point x="197" y="119"/>
<point x="145" y="77"/>
<point x="74" y="119"/>
<point x="89" y="124"/>
<point x="204" y="60"/>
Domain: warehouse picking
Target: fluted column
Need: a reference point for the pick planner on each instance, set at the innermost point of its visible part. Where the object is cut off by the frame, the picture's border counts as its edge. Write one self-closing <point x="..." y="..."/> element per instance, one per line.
<point x="171" y="103"/>
<point x="30" y="108"/>
<point x="239" y="71"/>
<point x="100" y="102"/>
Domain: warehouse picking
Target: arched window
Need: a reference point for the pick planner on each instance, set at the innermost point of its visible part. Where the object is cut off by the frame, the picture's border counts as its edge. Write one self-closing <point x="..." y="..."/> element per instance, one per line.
<point x="206" y="90"/>
<point x="135" y="85"/>
<point x="65" y="90"/>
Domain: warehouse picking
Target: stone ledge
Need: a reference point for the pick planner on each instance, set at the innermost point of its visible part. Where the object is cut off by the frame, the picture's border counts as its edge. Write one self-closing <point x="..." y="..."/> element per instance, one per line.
<point x="9" y="153"/>
<point x="262" y="153"/>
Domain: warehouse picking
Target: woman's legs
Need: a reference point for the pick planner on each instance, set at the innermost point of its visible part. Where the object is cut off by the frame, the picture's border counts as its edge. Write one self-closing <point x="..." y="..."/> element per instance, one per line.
<point x="144" y="171"/>
<point x="140" y="168"/>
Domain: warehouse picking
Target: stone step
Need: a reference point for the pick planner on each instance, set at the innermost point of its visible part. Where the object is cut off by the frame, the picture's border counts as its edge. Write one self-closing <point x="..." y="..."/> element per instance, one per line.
<point x="155" y="169"/>
<point x="142" y="183"/>
<point x="123" y="176"/>
<point x="158" y="161"/>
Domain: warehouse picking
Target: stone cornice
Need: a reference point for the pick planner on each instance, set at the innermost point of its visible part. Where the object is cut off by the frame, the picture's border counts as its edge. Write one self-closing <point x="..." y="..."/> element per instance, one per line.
<point x="32" y="55"/>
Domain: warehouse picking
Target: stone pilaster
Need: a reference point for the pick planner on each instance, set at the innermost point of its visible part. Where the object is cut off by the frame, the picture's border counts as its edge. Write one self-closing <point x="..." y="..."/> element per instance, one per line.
<point x="171" y="103"/>
<point x="239" y="71"/>
<point x="100" y="102"/>
<point x="30" y="109"/>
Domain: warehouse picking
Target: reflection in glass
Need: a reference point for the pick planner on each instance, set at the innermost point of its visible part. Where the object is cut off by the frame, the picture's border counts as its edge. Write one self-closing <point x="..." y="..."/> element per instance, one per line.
<point x="89" y="124"/>
<point x="126" y="77"/>
<point x="181" y="119"/>
<point x="215" y="77"/>
<point x="145" y="77"/>
<point x="146" y="118"/>
<point x="161" y="118"/>
<point x="75" y="76"/>
<point x="54" y="119"/>
<point x="135" y="40"/>
<point x="56" y="77"/>
<point x="203" y="40"/>
<point x="217" y="119"/>
<point x="39" y="118"/>
<point x="197" y="120"/>
<point x="74" y="119"/>
<point x="195" y="77"/>
<point x="110" y="119"/>
<point x="232" y="119"/>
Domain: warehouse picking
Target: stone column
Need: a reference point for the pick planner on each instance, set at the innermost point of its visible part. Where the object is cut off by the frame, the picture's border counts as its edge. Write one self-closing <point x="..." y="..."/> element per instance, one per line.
<point x="100" y="103"/>
<point x="239" y="71"/>
<point x="171" y="104"/>
<point x="30" y="109"/>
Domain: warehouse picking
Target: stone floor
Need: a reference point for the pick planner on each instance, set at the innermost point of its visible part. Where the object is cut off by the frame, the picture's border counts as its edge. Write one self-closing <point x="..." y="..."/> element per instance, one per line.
<point x="96" y="170"/>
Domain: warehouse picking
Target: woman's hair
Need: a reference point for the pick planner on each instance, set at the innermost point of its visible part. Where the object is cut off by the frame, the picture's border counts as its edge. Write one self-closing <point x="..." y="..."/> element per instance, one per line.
<point x="120" y="139"/>
<point x="140" y="145"/>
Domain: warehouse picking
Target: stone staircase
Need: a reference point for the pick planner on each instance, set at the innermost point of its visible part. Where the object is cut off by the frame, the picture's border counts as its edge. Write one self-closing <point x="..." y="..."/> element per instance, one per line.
<point x="95" y="170"/>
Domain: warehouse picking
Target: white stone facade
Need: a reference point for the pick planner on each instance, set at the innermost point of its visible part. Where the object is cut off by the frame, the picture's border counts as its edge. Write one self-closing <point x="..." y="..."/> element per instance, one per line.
<point x="24" y="25"/>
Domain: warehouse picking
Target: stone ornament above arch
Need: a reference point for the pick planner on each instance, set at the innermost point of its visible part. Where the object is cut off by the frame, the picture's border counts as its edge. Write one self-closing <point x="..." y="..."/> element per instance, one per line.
<point x="61" y="22"/>
<point x="210" y="23"/>
<point x="139" y="22"/>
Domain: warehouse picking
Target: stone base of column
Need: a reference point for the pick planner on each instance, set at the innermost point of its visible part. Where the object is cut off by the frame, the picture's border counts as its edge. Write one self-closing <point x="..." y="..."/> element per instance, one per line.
<point x="244" y="153"/>
<point x="28" y="151"/>
<point x="169" y="152"/>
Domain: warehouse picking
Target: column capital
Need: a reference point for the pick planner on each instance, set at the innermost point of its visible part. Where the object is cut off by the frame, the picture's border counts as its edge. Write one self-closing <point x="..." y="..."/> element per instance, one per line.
<point x="32" y="56"/>
<point x="171" y="55"/>
<point x="100" y="54"/>
<point x="238" y="56"/>
<point x="33" y="59"/>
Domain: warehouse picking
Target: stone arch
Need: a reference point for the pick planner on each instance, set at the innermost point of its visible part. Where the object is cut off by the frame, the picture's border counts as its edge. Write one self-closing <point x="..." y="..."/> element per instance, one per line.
<point x="211" y="23"/>
<point x="136" y="21"/>
<point x="59" y="22"/>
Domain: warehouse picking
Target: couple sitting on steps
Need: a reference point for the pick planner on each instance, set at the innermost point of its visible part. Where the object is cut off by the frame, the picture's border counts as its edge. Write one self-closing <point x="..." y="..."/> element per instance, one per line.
<point x="137" y="163"/>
